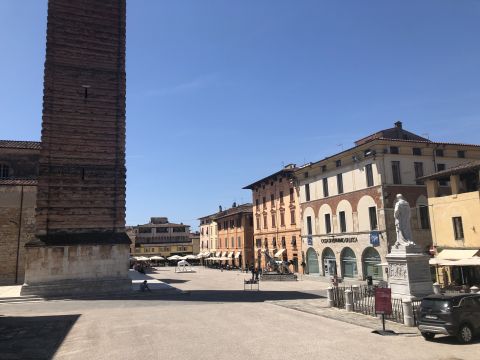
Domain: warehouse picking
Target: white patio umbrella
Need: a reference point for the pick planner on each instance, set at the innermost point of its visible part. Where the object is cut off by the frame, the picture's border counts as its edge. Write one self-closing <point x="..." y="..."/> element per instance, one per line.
<point x="189" y="257"/>
<point x="156" y="258"/>
<point x="141" y="258"/>
<point x="174" y="257"/>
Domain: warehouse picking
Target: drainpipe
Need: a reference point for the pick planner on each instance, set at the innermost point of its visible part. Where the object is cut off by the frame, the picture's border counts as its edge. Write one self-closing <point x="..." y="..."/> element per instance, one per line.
<point x="19" y="233"/>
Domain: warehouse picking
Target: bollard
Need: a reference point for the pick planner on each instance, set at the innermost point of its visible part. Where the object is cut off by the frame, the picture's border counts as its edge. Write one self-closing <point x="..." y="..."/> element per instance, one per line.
<point x="356" y="293"/>
<point x="408" y="318"/>
<point x="348" y="300"/>
<point x="330" y="297"/>
<point x="436" y="288"/>
<point x="474" y="290"/>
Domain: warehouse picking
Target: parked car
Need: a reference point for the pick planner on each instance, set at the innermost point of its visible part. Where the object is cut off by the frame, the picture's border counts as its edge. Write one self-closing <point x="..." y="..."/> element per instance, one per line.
<point x="457" y="315"/>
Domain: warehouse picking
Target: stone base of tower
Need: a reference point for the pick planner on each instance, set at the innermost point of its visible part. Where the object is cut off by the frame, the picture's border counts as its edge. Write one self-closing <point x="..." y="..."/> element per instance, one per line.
<point x="66" y="269"/>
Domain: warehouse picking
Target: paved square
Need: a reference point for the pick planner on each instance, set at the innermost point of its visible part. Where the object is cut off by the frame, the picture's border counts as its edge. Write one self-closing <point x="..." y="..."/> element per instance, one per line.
<point x="207" y="315"/>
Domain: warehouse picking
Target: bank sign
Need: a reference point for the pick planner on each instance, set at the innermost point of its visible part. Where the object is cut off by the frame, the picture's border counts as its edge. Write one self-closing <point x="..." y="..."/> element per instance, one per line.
<point x="339" y="240"/>
<point x="375" y="238"/>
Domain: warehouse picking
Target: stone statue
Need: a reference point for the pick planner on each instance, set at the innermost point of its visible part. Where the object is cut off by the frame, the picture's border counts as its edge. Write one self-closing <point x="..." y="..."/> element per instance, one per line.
<point x="402" y="222"/>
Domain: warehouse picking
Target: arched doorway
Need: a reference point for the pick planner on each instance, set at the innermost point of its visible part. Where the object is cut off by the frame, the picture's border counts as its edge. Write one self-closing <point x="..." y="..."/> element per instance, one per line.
<point x="329" y="262"/>
<point x="349" y="263"/>
<point x="312" y="261"/>
<point x="371" y="262"/>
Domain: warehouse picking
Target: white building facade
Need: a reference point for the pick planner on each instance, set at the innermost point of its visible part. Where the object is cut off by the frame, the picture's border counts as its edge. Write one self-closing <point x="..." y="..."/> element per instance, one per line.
<point x="347" y="200"/>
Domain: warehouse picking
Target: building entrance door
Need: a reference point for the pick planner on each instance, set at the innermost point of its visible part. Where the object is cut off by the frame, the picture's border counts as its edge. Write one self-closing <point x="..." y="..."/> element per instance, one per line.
<point x="330" y="267"/>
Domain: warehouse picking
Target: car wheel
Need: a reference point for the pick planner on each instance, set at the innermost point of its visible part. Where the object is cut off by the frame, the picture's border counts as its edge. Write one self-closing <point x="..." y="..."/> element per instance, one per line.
<point x="465" y="334"/>
<point x="428" y="335"/>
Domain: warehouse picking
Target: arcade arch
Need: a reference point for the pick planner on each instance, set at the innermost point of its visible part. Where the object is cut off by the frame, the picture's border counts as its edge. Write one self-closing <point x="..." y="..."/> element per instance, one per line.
<point x="348" y="260"/>
<point x="363" y="212"/>
<point x="312" y="262"/>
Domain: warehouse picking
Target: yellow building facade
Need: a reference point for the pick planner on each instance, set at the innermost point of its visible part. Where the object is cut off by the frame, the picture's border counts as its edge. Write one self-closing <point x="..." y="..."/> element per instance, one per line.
<point x="454" y="204"/>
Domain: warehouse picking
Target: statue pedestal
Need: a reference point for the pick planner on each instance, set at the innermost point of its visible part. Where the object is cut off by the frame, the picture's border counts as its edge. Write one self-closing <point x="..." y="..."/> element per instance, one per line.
<point x="409" y="272"/>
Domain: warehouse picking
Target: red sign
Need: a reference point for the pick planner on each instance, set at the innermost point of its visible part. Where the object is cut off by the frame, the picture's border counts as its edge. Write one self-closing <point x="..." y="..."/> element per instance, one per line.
<point x="383" y="301"/>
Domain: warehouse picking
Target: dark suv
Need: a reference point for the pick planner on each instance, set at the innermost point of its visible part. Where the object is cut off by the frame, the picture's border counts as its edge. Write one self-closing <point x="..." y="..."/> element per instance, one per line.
<point x="457" y="315"/>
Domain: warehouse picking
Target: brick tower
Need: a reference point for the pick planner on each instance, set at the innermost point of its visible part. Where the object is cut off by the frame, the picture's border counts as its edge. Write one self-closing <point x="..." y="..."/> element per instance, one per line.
<point x="80" y="242"/>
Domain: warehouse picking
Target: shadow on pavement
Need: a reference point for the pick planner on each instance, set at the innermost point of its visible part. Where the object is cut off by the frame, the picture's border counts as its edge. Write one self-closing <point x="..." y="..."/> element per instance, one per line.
<point x="452" y="340"/>
<point x="203" y="296"/>
<point x="36" y="337"/>
<point x="173" y="281"/>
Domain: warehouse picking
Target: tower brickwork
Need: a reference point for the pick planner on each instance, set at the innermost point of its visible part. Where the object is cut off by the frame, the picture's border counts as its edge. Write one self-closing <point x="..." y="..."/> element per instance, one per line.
<point x="80" y="213"/>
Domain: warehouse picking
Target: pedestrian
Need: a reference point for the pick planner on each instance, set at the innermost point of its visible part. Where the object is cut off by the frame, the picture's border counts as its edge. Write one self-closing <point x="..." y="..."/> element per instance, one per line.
<point x="253" y="273"/>
<point x="256" y="274"/>
<point x="144" y="286"/>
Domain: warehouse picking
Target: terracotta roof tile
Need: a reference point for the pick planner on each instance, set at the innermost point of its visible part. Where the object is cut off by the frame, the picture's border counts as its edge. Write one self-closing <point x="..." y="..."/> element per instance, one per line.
<point x="13" y="144"/>
<point x="459" y="169"/>
<point x="18" y="182"/>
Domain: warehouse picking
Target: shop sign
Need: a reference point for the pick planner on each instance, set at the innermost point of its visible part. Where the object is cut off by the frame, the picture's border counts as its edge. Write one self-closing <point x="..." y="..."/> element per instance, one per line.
<point x="383" y="301"/>
<point x="375" y="238"/>
<point x="340" y="240"/>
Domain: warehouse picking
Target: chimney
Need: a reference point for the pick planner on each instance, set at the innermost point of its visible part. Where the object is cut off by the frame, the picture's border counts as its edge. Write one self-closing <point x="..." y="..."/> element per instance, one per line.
<point x="398" y="124"/>
<point x="220" y="208"/>
<point x="234" y="204"/>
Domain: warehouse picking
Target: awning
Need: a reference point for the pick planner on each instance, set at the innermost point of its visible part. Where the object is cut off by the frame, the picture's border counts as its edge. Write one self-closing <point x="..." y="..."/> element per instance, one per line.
<point x="279" y="253"/>
<point x="456" y="254"/>
<point x="230" y="254"/>
<point x="224" y="254"/>
<point x="441" y="262"/>
<point x="474" y="261"/>
<point x="218" y="254"/>
<point x="237" y="255"/>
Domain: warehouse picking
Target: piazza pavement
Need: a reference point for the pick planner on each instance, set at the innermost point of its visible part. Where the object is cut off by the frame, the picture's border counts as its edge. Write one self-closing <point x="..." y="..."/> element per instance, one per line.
<point x="206" y="314"/>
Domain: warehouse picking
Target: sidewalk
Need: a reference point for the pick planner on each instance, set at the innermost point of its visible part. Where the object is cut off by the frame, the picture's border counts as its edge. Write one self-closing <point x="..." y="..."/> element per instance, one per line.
<point x="327" y="280"/>
<point x="319" y="307"/>
<point x="11" y="293"/>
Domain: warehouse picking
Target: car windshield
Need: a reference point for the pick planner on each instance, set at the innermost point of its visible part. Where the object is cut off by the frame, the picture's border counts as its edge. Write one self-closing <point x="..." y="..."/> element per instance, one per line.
<point x="436" y="304"/>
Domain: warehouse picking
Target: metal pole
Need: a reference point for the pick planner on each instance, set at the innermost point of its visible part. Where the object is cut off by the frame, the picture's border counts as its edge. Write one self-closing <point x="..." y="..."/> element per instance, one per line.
<point x="383" y="322"/>
<point x="19" y="233"/>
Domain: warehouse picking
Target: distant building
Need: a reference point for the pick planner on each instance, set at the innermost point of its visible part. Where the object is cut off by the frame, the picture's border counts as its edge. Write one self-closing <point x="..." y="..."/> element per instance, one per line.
<point x="455" y="221"/>
<point x="235" y="234"/>
<point x="18" y="196"/>
<point x="195" y="239"/>
<point x="347" y="199"/>
<point x="160" y="237"/>
<point x="208" y="234"/>
<point x="277" y="224"/>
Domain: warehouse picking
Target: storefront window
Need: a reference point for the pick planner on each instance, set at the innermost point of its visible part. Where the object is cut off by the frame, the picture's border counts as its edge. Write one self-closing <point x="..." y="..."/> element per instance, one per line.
<point x="312" y="261"/>
<point x="371" y="262"/>
<point x="349" y="263"/>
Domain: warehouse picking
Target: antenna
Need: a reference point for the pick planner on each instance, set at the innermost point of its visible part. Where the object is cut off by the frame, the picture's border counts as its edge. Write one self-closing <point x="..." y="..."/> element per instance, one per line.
<point x="341" y="145"/>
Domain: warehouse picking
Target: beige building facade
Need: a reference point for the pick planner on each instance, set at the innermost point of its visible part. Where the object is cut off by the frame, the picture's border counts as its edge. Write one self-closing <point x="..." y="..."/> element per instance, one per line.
<point x="276" y="211"/>
<point x="347" y="200"/>
<point x="163" y="238"/>
<point x="455" y="219"/>
<point x="208" y="234"/>
<point x="18" y="197"/>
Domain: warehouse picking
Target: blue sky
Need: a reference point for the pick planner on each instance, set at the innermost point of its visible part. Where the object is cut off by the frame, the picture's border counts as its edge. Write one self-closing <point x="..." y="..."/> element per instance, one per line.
<point x="222" y="92"/>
